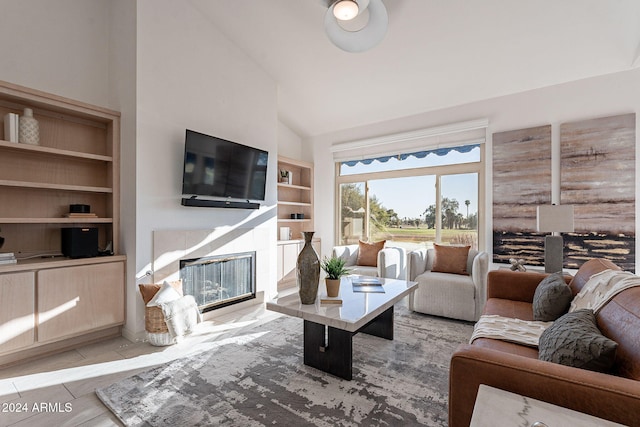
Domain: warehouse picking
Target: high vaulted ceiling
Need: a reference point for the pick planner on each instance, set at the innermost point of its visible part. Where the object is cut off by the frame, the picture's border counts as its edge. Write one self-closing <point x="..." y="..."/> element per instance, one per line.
<point x="436" y="53"/>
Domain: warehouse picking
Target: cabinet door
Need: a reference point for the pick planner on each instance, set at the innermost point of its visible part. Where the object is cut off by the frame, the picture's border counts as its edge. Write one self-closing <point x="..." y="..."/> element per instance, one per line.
<point x="280" y="256"/>
<point x="289" y="259"/>
<point x="17" y="315"/>
<point x="74" y="300"/>
<point x="317" y="244"/>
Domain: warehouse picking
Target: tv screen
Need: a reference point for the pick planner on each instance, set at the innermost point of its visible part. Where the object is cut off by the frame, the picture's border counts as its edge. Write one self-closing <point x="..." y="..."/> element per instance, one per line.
<point x="219" y="168"/>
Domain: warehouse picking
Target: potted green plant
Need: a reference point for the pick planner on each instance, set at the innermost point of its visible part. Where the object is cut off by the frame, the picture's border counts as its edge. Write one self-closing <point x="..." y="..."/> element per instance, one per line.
<point x="285" y="176"/>
<point x="335" y="268"/>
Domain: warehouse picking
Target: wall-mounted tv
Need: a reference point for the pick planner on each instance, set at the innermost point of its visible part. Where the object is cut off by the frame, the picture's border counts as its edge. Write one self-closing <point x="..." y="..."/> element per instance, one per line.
<point x="215" y="167"/>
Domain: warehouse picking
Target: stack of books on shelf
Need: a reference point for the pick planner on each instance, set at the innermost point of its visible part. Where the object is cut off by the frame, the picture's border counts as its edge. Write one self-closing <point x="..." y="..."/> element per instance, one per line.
<point x="81" y="215"/>
<point x="7" y="258"/>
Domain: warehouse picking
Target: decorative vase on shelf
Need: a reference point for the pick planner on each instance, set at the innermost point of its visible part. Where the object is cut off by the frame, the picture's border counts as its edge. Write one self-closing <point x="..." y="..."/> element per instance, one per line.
<point x="29" y="129"/>
<point x="308" y="269"/>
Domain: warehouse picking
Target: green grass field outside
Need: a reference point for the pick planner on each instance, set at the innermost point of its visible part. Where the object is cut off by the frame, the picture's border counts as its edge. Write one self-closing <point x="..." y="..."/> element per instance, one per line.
<point x="422" y="235"/>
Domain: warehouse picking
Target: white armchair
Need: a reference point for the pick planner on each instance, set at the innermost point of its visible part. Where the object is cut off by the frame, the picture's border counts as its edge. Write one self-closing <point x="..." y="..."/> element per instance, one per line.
<point x="391" y="262"/>
<point x="449" y="295"/>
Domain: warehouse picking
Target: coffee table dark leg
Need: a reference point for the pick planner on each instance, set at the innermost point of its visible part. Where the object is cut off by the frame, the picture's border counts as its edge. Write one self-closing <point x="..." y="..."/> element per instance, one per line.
<point x="333" y="354"/>
<point x="381" y="326"/>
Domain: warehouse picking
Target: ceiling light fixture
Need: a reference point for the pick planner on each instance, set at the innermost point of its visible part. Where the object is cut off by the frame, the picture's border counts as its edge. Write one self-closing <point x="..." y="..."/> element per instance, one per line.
<point x="363" y="38"/>
<point x="345" y="10"/>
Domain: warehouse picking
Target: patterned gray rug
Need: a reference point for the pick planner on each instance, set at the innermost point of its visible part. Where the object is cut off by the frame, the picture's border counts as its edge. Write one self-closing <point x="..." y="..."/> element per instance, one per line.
<point x="264" y="382"/>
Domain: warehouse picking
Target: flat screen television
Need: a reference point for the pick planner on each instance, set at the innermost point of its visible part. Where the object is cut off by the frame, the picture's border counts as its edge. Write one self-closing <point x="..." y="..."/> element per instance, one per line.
<point x="215" y="167"/>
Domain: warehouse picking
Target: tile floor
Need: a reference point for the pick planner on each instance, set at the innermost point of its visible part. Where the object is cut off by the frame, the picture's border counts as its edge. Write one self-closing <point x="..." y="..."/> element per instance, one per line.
<point x="59" y="390"/>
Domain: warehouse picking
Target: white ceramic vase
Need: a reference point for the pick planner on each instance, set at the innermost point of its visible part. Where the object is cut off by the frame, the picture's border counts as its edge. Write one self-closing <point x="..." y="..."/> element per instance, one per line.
<point x="29" y="129"/>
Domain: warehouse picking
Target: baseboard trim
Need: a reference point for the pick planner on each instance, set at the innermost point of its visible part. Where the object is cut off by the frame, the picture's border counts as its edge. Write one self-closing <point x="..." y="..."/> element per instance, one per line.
<point x="38" y="351"/>
<point x="133" y="336"/>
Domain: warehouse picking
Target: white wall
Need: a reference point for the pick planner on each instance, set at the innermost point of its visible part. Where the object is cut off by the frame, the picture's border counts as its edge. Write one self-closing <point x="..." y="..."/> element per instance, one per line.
<point x="57" y="46"/>
<point x="590" y="98"/>
<point x="122" y="90"/>
<point x="289" y="142"/>
<point x="194" y="77"/>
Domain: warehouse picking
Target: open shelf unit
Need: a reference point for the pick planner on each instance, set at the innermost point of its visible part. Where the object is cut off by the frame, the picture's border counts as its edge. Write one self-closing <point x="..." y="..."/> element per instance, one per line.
<point x="76" y="162"/>
<point x="50" y="303"/>
<point x="295" y="197"/>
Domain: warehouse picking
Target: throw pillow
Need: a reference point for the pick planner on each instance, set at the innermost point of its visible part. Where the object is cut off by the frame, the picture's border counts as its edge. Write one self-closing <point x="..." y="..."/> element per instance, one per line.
<point x="575" y="340"/>
<point x="551" y="298"/>
<point x="166" y="293"/>
<point x="368" y="252"/>
<point x="450" y="259"/>
<point x="149" y="290"/>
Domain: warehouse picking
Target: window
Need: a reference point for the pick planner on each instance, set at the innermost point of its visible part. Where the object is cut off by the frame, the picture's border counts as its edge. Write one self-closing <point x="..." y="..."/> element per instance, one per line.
<point x="412" y="200"/>
<point x="352" y="212"/>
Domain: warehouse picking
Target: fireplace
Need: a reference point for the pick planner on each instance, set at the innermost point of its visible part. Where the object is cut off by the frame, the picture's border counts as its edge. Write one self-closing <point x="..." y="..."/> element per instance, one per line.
<point x="219" y="281"/>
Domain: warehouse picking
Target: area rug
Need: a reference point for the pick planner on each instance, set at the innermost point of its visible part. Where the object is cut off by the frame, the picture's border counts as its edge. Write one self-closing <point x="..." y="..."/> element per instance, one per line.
<point x="263" y="382"/>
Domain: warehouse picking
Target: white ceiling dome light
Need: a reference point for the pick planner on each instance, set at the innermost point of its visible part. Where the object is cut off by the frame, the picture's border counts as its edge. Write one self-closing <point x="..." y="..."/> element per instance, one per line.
<point x="345" y="10"/>
<point x="363" y="31"/>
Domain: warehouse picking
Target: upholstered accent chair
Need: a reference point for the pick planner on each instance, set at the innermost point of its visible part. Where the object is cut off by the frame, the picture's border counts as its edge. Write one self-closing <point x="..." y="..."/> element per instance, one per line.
<point x="391" y="262"/>
<point x="460" y="295"/>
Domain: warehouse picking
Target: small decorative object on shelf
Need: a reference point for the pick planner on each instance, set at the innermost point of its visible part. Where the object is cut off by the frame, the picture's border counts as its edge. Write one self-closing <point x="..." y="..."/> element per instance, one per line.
<point x="285" y="176"/>
<point x="285" y="233"/>
<point x="80" y="211"/>
<point x="11" y="125"/>
<point x="308" y="271"/>
<point x="29" y="128"/>
<point x="517" y="264"/>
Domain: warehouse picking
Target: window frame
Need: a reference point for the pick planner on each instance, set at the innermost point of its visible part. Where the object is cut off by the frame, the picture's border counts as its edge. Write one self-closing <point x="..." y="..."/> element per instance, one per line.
<point x="437" y="171"/>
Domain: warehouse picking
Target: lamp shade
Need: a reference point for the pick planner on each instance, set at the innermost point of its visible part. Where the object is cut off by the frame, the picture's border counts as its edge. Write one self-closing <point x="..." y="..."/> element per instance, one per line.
<point x="363" y="39"/>
<point x="345" y="10"/>
<point x="555" y="218"/>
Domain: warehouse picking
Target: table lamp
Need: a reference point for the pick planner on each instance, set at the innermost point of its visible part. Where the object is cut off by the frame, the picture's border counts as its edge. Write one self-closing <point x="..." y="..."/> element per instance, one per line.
<point x="554" y="219"/>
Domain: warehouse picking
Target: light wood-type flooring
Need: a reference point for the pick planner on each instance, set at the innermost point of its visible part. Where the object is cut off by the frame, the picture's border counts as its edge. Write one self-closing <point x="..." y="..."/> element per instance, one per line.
<point x="59" y="390"/>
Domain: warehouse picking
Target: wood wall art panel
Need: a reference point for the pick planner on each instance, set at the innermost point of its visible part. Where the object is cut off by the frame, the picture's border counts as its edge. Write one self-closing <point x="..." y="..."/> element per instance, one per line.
<point x="598" y="177"/>
<point x="521" y="182"/>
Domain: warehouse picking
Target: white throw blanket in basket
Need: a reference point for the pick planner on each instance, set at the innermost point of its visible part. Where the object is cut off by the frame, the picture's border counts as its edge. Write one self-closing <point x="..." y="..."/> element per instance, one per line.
<point x="181" y="315"/>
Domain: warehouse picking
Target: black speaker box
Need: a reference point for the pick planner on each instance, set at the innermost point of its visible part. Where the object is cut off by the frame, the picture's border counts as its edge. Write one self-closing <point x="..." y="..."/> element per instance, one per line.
<point x="79" y="242"/>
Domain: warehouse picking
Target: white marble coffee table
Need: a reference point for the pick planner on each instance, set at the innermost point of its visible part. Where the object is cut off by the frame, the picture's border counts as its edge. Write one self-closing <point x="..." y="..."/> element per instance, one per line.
<point x="371" y="313"/>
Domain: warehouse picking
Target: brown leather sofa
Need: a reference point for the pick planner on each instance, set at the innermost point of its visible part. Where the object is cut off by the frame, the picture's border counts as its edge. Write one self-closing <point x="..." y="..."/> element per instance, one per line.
<point x="613" y="396"/>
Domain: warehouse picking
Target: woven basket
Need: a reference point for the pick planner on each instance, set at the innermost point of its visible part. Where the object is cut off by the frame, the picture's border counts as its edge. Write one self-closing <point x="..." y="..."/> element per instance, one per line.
<point x="153" y="317"/>
<point x="154" y="320"/>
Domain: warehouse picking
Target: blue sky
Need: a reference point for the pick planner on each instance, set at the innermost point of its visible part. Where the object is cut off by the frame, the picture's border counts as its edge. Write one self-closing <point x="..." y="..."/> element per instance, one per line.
<point x="409" y="197"/>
